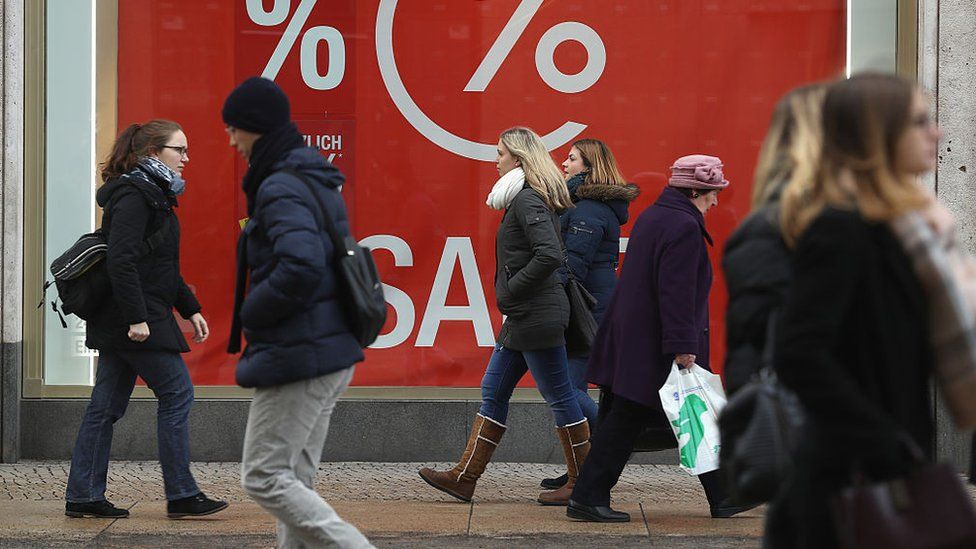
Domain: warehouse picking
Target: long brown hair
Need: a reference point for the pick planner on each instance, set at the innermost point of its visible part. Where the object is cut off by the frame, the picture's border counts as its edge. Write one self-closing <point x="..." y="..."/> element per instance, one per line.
<point x="600" y="163"/>
<point x="541" y="172"/>
<point x="134" y="142"/>
<point x="790" y="153"/>
<point x="863" y="119"/>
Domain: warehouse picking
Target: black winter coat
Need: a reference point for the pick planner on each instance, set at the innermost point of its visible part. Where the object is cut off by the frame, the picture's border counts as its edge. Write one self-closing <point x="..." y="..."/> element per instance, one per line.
<point x="591" y="233"/>
<point x="292" y="317"/>
<point x="528" y="288"/>
<point x="853" y="345"/>
<point x="758" y="273"/>
<point x="145" y="287"/>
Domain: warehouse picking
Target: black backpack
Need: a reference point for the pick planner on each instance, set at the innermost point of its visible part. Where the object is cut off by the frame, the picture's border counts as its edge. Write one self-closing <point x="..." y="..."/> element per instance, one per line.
<point x="81" y="276"/>
<point x="362" y="295"/>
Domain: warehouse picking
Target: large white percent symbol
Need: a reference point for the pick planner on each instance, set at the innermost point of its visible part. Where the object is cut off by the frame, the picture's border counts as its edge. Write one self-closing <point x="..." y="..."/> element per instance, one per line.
<point x="310" y="41"/>
<point x="597" y="57"/>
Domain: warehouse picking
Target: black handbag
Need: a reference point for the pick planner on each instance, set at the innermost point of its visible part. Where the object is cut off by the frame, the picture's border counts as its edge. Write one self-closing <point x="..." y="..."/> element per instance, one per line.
<point x="359" y="281"/>
<point x="759" y="429"/>
<point x="928" y="508"/>
<point x="581" y="330"/>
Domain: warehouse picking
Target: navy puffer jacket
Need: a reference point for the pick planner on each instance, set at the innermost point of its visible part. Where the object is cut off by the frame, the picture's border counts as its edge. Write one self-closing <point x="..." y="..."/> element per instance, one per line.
<point x="292" y="318"/>
<point x="591" y="232"/>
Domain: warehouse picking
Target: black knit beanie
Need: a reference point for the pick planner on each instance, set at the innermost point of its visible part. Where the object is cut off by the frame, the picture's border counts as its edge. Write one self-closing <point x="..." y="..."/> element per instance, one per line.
<point x="257" y="105"/>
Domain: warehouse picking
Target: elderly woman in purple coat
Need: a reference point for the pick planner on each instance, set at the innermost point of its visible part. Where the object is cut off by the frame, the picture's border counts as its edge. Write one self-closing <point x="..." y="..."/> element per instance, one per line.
<point x="658" y="315"/>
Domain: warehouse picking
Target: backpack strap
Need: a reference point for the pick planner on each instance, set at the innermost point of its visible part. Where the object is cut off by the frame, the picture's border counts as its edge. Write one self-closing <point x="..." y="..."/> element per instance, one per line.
<point x="155" y="239"/>
<point x="329" y="224"/>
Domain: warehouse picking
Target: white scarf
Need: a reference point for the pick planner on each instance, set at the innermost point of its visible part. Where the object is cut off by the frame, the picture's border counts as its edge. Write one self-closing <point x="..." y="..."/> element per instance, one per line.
<point x="505" y="189"/>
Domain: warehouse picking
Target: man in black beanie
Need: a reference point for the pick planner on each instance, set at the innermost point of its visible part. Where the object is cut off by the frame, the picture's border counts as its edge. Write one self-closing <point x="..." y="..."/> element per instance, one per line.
<point x="300" y="352"/>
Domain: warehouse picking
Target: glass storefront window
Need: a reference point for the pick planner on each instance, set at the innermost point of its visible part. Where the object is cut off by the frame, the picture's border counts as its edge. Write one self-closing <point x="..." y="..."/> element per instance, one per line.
<point x="407" y="98"/>
<point x="69" y="171"/>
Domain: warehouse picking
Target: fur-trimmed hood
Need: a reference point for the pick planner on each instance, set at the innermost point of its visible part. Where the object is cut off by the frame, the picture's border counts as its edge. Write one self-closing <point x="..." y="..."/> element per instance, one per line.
<point x="617" y="197"/>
<point x="606" y="193"/>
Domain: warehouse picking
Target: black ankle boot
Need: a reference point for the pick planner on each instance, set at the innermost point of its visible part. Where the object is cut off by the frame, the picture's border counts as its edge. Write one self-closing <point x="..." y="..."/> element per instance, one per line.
<point x="595" y="513"/>
<point x="95" y="509"/>
<point x="554" y="483"/>
<point x="193" y="506"/>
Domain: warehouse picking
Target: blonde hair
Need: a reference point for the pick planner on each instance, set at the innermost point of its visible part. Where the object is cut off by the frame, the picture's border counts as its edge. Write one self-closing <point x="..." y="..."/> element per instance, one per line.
<point x="790" y="153"/>
<point x="541" y="173"/>
<point x="863" y="119"/>
<point x="600" y="163"/>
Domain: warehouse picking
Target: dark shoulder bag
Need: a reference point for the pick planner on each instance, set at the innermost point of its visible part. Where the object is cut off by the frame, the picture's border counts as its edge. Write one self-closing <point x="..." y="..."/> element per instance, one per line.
<point x="760" y="428"/>
<point x="581" y="330"/>
<point x="362" y="291"/>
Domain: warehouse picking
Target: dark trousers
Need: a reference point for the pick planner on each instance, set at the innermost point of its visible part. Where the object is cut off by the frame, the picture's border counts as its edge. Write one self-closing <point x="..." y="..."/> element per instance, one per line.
<point x="166" y="374"/>
<point x="611" y="446"/>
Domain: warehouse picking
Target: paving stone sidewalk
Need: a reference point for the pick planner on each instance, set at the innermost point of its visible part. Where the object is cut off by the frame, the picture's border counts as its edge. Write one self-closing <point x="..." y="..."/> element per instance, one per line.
<point x="345" y="481"/>
<point x="387" y="501"/>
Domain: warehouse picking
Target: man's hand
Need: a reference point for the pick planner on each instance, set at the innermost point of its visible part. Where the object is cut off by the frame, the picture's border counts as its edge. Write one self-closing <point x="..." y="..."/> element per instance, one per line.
<point x="685" y="361"/>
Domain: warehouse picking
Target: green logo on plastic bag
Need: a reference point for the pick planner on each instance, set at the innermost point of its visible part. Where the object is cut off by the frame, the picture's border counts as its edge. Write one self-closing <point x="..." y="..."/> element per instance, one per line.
<point x="689" y="423"/>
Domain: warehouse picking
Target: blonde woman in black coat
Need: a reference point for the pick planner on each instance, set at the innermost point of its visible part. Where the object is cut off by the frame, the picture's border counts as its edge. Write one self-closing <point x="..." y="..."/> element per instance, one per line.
<point x="853" y="343"/>
<point x="530" y="293"/>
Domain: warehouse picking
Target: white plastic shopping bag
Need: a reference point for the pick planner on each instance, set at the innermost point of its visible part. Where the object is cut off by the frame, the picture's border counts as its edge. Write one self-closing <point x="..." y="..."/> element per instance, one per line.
<point x="692" y="399"/>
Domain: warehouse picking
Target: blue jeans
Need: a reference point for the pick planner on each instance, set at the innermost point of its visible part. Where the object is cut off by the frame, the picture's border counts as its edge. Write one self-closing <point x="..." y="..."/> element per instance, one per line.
<point x="577" y="376"/>
<point x="549" y="370"/>
<point x="166" y="374"/>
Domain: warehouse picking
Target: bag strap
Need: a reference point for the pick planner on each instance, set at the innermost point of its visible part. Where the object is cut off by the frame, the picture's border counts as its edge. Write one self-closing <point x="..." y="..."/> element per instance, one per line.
<point x="337" y="241"/>
<point x="767" y="354"/>
<point x="565" y="253"/>
<point x="155" y="239"/>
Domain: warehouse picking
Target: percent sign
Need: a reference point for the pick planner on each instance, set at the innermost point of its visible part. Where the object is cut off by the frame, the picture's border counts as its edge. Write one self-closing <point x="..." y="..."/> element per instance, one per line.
<point x="462" y="146"/>
<point x="544" y="52"/>
<point x="310" y="41"/>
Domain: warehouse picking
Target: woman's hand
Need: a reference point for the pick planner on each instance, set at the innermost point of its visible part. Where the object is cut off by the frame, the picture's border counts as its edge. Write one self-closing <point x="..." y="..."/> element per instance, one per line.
<point x="685" y="361"/>
<point x="139" y="332"/>
<point x="200" y="329"/>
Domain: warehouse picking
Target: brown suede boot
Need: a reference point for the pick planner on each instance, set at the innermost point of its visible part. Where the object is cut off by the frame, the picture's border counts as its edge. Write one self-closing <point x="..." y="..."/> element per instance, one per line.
<point x="575" y="439"/>
<point x="460" y="481"/>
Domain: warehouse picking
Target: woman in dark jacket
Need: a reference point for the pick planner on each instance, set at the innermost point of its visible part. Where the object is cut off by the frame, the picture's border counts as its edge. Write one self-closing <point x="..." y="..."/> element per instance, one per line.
<point x="529" y="292"/>
<point x="591" y="234"/>
<point x="135" y="332"/>
<point x="853" y="342"/>
<point x="658" y="316"/>
<point x="756" y="260"/>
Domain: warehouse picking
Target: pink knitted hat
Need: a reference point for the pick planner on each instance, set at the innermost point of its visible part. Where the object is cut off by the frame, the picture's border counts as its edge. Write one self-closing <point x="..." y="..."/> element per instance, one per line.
<point x="698" y="171"/>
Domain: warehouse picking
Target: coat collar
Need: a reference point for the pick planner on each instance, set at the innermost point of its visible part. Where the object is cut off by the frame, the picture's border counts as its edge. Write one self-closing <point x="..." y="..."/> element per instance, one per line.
<point x="674" y="200"/>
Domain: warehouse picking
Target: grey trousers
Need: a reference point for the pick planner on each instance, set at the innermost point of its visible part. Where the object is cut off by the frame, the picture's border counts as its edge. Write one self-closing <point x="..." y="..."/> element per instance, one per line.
<point x="286" y="430"/>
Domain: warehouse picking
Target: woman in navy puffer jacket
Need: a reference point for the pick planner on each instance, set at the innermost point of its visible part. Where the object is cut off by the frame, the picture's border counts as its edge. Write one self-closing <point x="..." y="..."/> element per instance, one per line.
<point x="591" y="233"/>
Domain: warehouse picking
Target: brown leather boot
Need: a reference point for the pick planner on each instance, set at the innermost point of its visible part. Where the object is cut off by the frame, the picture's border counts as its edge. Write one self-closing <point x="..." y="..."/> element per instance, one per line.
<point x="575" y="439"/>
<point x="459" y="482"/>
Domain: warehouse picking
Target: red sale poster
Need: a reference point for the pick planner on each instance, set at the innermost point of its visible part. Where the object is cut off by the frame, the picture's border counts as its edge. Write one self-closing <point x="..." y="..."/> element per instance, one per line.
<point x="407" y="98"/>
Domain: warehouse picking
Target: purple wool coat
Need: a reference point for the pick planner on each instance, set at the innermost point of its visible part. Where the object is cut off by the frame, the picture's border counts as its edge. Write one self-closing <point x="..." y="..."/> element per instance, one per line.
<point x="659" y="308"/>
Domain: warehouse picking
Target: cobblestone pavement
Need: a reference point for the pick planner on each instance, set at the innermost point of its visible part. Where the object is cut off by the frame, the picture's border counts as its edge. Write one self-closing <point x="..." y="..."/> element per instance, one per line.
<point x="346" y="481"/>
<point x="387" y="501"/>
